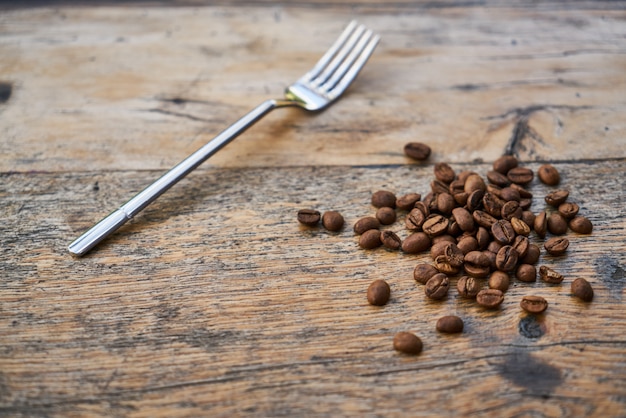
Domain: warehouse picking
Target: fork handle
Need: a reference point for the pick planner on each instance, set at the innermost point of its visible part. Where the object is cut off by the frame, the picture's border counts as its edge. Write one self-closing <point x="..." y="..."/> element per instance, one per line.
<point x="127" y="211"/>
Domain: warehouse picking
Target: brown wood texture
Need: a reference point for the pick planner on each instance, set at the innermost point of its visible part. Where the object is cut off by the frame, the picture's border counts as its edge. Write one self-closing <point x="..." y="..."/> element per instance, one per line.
<point x="215" y="301"/>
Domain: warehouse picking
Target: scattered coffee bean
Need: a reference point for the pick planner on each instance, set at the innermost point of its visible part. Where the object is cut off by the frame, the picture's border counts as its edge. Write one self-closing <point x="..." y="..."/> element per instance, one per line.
<point x="529" y="218"/>
<point x="541" y="224"/>
<point x="415" y="219"/>
<point x="556" y="245"/>
<point x="532" y="255"/>
<point x="332" y="220"/>
<point x="581" y="225"/>
<point x="556" y="197"/>
<point x="309" y="217"/>
<point x="493" y="204"/>
<point x="557" y="225"/>
<point x="390" y="240"/>
<point x="503" y="232"/>
<point x="509" y="194"/>
<point x="477" y="264"/>
<point x="445" y="173"/>
<point x="407" y="342"/>
<point x="548" y="175"/>
<point x="520" y="175"/>
<point x="490" y="298"/>
<point x="511" y="209"/>
<point x="520" y="227"/>
<point x="435" y="225"/>
<point x="423" y="272"/>
<point x="504" y="164"/>
<point x="582" y="289"/>
<point x="383" y="198"/>
<point x="521" y="245"/>
<point x="473" y="183"/>
<point x="568" y="209"/>
<point x="365" y="224"/>
<point x="386" y="215"/>
<point x="370" y="239"/>
<point x="499" y="280"/>
<point x="450" y="324"/>
<point x="442" y="263"/>
<point x="408" y="201"/>
<point x="416" y="243"/>
<point x="437" y="286"/>
<point x="534" y="304"/>
<point x="468" y="286"/>
<point x="467" y="243"/>
<point x="506" y="259"/>
<point x="549" y="275"/>
<point x="526" y="273"/>
<point x="453" y="255"/>
<point x="378" y="293"/>
<point x="483" y="219"/>
<point x="417" y="151"/>
<point x="445" y="203"/>
<point x="498" y="179"/>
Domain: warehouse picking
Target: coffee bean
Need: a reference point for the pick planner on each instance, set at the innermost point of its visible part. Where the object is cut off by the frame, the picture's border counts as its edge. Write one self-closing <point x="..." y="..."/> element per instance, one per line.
<point x="524" y="193"/>
<point x="510" y="210"/>
<point x="442" y="263"/>
<point x="464" y="219"/>
<point x="520" y="227"/>
<point x="541" y="224"/>
<point x="309" y="217"/>
<point x="437" y="286"/>
<point x="378" y="293"/>
<point x="467" y="243"/>
<point x="549" y="175"/>
<point x="549" y="275"/>
<point x="503" y="232"/>
<point x="332" y="220"/>
<point x="526" y="273"/>
<point x="521" y="245"/>
<point x="509" y="194"/>
<point x="492" y="204"/>
<point x="474" y="182"/>
<point x="499" y="280"/>
<point x="454" y="255"/>
<point x="490" y="298"/>
<point x="365" y="224"/>
<point x="581" y="225"/>
<point x="506" y="259"/>
<point x="494" y="247"/>
<point x="483" y="219"/>
<point x="417" y="151"/>
<point x="386" y="215"/>
<point x="534" y="304"/>
<point x="520" y="175"/>
<point x="556" y="245"/>
<point x="438" y="186"/>
<point x="416" y="243"/>
<point x="408" y="201"/>
<point x="474" y="200"/>
<point x="529" y="218"/>
<point x="582" y="289"/>
<point x="443" y="238"/>
<point x="504" y="164"/>
<point x="370" y="239"/>
<point x="492" y="260"/>
<point x="482" y="237"/>
<point x="407" y="343"/>
<point x="450" y="324"/>
<point x="415" y="219"/>
<point x="445" y="203"/>
<point x="435" y="225"/>
<point x="438" y="248"/>
<point x="468" y="286"/>
<point x="390" y="240"/>
<point x="568" y="209"/>
<point x="556" y="197"/>
<point x="456" y="186"/>
<point x="498" y="179"/>
<point x="383" y="198"/>
<point x="557" y="225"/>
<point x="423" y="272"/>
<point x="443" y="172"/>
<point x="477" y="264"/>
<point x="532" y="256"/>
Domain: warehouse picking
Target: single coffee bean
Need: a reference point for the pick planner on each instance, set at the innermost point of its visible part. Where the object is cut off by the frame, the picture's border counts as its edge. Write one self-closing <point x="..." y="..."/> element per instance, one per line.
<point x="435" y="225"/>
<point x="510" y="210"/>
<point x="483" y="219"/>
<point x="521" y="245"/>
<point x="365" y="224"/>
<point x="509" y="194"/>
<point x="475" y="200"/>
<point x="490" y="298"/>
<point x="549" y="275"/>
<point x="386" y="215"/>
<point x="443" y="265"/>
<point x="498" y="179"/>
<point x="582" y="289"/>
<point x="443" y="172"/>
<point x="504" y="164"/>
<point x="450" y="324"/>
<point x="430" y="201"/>
<point x="534" y="304"/>
<point x="378" y="293"/>
<point x="415" y="219"/>
<point x="453" y="228"/>
<point x="494" y="190"/>
<point x="407" y="343"/>
<point x="494" y="247"/>
<point x="461" y="198"/>
<point x="503" y="232"/>
<point x="492" y="204"/>
<point x="524" y="193"/>
<point x="423" y="272"/>
<point x="456" y="186"/>
<point x="492" y="260"/>
<point x="581" y="225"/>
<point x="556" y="245"/>
<point x="529" y="218"/>
<point x="408" y="201"/>
<point x="438" y="186"/>
<point x="390" y="240"/>
<point x="525" y="204"/>
<point x="464" y="219"/>
<point x="383" y="198"/>
<point x="454" y="255"/>
<point x="438" y="248"/>
<point x="437" y="286"/>
<point x="483" y="237"/>
<point x="370" y="239"/>
<point x="309" y="217"/>
<point x="468" y="286"/>
<point x="474" y="182"/>
<point x="526" y="273"/>
<point x="532" y="256"/>
<point x="416" y="243"/>
<point x="499" y="280"/>
<point x="332" y="220"/>
<point x="568" y="209"/>
<point x="557" y="225"/>
<point x="445" y="203"/>
<point x="417" y="151"/>
<point x="506" y="259"/>
<point x="520" y="227"/>
<point x="443" y="238"/>
<point x="477" y="264"/>
<point x="556" y="197"/>
<point x="467" y="243"/>
<point x="541" y="224"/>
<point x="520" y="175"/>
<point x="548" y="175"/>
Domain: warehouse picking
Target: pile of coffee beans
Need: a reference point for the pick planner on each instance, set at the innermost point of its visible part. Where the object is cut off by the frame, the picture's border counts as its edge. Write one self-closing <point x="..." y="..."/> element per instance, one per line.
<point x="476" y="230"/>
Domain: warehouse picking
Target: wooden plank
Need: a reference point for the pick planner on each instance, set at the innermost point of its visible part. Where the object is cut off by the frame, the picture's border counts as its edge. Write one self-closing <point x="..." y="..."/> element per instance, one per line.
<point x="216" y="302"/>
<point x="139" y="88"/>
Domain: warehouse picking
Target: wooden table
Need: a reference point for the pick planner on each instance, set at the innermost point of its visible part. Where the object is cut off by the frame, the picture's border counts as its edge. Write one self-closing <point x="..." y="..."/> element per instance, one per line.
<point x="215" y="301"/>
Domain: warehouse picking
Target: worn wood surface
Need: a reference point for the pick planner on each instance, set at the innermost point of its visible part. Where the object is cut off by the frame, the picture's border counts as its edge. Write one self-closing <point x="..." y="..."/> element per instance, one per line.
<point x="215" y="301"/>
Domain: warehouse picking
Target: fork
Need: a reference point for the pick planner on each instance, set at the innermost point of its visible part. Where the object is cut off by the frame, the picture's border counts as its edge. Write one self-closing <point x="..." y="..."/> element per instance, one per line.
<point x="314" y="91"/>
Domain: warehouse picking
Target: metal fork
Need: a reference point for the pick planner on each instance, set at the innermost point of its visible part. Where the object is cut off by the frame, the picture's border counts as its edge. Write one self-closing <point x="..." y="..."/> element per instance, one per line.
<point x="317" y="89"/>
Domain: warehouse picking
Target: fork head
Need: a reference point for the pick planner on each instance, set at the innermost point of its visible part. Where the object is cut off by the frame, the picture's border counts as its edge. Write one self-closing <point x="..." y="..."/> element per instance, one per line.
<point x="334" y="72"/>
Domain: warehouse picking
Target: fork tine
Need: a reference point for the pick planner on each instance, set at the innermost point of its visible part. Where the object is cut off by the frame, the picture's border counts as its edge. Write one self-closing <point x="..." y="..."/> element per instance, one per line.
<point x="330" y="53"/>
<point x="348" y="61"/>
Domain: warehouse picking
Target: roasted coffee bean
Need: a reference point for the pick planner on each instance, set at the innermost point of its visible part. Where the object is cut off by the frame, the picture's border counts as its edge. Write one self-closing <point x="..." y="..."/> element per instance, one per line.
<point x="525" y="204"/>
<point x="556" y="245"/>
<point x="582" y="289"/>
<point x="534" y="304"/>
<point x="532" y="256"/>
<point x="423" y="272"/>
<point x="541" y="224"/>
<point x="454" y="255"/>
<point x="430" y="201"/>
<point x="450" y="324"/>
<point x="467" y="243"/>
<point x="390" y="240"/>
<point x="557" y="225"/>
<point x="549" y="275"/>
<point x="442" y="263"/>
<point x="464" y="219"/>
<point x="475" y="200"/>
<point x="529" y="218"/>
<point x="309" y="217"/>
<point x="456" y="186"/>
<point x="415" y="219"/>
<point x="494" y="247"/>
<point x="332" y="220"/>
<point x="435" y="225"/>
<point x="386" y="215"/>
<point x="524" y="193"/>
<point x="492" y="260"/>
<point x="474" y="182"/>
<point x="378" y="293"/>
<point x="443" y="172"/>
<point x="581" y="225"/>
<point x="407" y="343"/>
<point x="445" y="203"/>
<point x="438" y="186"/>
<point x="548" y="175"/>
<point x="370" y="239"/>
<point x="520" y="227"/>
<point x="477" y="264"/>
<point x="509" y="194"/>
<point x="498" y="179"/>
<point x="383" y="198"/>
<point x="568" y="209"/>
<point x="483" y="237"/>
<point x="460" y="198"/>
<point x="556" y="197"/>
<point x="526" y="273"/>
<point x="416" y="243"/>
<point x="492" y="204"/>
<point x="506" y="259"/>
<point x="504" y="164"/>
<point x="453" y="228"/>
<point x="417" y="151"/>
<point x="437" y="286"/>
<point x="511" y="210"/>
<point x="499" y="280"/>
<point x="468" y="286"/>
<point x="503" y="232"/>
<point x="365" y="224"/>
<point x="408" y="201"/>
<point x="483" y="219"/>
<point x="521" y="245"/>
<point x="490" y="298"/>
<point x="520" y="175"/>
